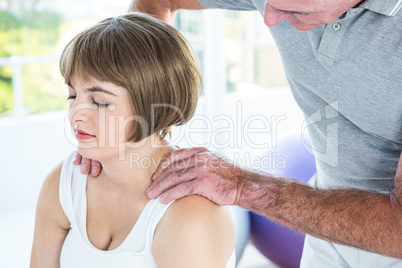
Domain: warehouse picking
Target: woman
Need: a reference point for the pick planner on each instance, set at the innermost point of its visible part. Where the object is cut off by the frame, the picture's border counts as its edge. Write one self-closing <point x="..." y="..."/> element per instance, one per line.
<point x="129" y="79"/>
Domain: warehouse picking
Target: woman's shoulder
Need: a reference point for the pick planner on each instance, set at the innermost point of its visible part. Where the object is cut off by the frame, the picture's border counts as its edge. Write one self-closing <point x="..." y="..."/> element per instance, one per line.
<point x="51" y="224"/>
<point x="51" y="183"/>
<point x="195" y="207"/>
<point x="198" y="213"/>
<point x="52" y="180"/>
<point x="48" y="203"/>
<point x="194" y="230"/>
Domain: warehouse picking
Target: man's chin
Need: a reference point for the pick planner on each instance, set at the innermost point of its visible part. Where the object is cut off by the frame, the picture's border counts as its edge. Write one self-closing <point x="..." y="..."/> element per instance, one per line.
<point x="299" y="25"/>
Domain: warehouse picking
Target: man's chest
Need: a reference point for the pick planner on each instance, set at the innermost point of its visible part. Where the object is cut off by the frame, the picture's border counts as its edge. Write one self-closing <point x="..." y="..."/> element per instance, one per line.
<point x="355" y="62"/>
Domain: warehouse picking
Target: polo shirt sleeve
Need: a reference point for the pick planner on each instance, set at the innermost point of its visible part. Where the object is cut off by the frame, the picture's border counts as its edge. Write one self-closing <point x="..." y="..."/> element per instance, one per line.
<point x="229" y="4"/>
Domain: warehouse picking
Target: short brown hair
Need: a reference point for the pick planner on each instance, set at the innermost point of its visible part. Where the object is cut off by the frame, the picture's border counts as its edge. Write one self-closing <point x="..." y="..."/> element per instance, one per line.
<point x="149" y="58"/>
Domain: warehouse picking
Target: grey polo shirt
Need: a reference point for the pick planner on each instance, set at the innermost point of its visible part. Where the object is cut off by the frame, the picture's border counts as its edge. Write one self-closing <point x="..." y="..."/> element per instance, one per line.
<point x="347" y="78"/>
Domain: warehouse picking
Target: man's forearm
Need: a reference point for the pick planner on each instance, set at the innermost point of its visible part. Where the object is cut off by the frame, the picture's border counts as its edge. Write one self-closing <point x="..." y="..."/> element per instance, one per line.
<point x="350" y="217"/>
<point x="164" y="10"/>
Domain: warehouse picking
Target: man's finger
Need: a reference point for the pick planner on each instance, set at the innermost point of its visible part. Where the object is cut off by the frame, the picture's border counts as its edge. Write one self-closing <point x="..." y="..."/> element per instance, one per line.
<point x="158" y="187"/>
<point x="77" y="159"/>
<point x="85" y="165"/>
<point x="182" y="190"/>
<point x="177" y="156"/>
<point x="95" y="168"/>
<point x="174" y="178"/>
<point x="178" y="166"/>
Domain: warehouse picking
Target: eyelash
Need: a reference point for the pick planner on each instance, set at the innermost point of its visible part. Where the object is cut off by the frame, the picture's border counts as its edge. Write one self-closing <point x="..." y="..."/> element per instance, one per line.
<point x="99" y="105"/>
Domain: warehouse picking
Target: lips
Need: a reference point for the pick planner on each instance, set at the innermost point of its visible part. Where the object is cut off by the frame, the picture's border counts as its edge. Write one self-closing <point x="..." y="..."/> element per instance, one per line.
<point x="82" y="135"/>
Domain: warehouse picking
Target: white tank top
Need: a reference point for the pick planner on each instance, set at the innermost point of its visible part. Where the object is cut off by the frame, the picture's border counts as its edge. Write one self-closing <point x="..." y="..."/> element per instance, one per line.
<point x="77" y="250"/>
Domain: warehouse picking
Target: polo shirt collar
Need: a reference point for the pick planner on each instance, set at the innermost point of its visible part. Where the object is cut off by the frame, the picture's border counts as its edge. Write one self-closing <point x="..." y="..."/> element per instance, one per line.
<point x="385" y="7"/>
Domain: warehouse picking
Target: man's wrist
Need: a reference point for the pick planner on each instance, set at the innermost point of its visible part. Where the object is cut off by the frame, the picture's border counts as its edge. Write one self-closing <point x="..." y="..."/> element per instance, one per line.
<point x="254" y="191"/>
<point x="163" y="10"/>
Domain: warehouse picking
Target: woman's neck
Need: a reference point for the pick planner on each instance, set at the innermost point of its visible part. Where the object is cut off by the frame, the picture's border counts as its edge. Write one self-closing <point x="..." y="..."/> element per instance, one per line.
<point x="132" y="173"/>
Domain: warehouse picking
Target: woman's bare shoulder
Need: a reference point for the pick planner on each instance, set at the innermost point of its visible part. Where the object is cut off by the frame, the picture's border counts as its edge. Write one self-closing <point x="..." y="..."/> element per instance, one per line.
<point x="51" y="224"/>
<point x="197" y="212"/>
<point x="53" y="178"/>
<point x="194" y="230"/>
<point x="49" y="206"/>
<point x="50" y="187"/>
<point x="193" y="207"/>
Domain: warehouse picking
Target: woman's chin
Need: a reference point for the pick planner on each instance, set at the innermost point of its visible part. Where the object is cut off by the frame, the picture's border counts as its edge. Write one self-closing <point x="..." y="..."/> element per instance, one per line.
<point x="98" y="154"/>
<point x="89" y="153"/>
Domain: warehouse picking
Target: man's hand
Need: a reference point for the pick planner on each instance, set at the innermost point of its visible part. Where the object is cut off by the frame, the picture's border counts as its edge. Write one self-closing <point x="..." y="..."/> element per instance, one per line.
<point x="197" y="171"/>
<point x="160" y="9"/>
<point x="165" y="10"/>
<point x="87" y="165"/>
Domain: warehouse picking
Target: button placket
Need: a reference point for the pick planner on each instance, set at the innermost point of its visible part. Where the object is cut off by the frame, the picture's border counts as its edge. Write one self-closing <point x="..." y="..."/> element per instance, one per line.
<point x="336" y="26"/>
<point x="331" y="40"/>
<point x="333" y="36"/>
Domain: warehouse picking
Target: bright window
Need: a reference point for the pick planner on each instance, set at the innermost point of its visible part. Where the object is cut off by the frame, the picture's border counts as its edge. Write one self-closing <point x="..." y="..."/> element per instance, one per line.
<point x="235" y="49"/>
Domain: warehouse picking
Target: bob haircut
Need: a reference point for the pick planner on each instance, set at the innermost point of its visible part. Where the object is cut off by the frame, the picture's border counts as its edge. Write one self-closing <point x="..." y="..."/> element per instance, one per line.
<point x="149" y="58"/>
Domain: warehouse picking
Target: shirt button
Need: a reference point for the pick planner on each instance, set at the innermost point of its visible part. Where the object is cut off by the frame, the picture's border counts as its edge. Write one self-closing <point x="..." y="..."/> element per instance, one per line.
<point x="336" y="26"/>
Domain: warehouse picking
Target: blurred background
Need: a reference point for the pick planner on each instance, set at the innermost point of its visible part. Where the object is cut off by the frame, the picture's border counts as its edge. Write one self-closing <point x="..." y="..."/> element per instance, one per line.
<point x="244" y="106"/>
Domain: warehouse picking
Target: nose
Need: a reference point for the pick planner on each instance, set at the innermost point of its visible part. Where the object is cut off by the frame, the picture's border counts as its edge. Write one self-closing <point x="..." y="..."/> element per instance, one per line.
<point x="79" y="112"/>
<point x="273" y="16"/>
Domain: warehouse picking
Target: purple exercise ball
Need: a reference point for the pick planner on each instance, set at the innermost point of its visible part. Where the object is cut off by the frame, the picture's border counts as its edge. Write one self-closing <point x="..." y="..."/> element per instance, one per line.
<point x="278" y="243"/>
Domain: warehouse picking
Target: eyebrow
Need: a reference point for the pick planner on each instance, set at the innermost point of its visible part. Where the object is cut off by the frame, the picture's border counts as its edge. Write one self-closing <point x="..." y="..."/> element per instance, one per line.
<point x="95" y="89"/>
<point x="98" y="89"/>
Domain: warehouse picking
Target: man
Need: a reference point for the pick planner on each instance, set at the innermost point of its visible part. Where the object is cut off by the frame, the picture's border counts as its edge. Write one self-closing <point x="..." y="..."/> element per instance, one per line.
<point x="343" y="60"/>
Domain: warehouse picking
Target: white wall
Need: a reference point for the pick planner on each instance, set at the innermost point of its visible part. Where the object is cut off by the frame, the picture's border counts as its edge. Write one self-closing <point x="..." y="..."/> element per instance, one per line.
<point x="30" y="147"/>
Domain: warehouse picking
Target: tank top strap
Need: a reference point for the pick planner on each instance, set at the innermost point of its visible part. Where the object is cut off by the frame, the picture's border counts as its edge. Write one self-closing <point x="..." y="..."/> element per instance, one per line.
<point x="72" y="190"/>
<point x="152" y="215"/>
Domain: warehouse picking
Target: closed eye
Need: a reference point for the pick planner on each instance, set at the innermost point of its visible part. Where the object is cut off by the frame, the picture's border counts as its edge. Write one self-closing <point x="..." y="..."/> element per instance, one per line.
<point x="100" y="104"/>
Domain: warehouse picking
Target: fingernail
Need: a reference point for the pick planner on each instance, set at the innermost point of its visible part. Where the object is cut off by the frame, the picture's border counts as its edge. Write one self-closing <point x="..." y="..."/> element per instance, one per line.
<point x="84" y="168"/>
<point x="163" y="199"/>
<point x="94" y="171"/>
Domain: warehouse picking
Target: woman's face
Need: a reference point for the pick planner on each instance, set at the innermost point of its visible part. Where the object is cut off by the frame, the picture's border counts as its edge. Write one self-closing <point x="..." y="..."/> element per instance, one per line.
<point x="101" y="116"/>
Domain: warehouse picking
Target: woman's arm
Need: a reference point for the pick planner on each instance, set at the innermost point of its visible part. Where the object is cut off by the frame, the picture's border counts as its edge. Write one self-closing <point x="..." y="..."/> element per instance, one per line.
<point x="194" y="232"/>
<point x="51" y="224"/>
